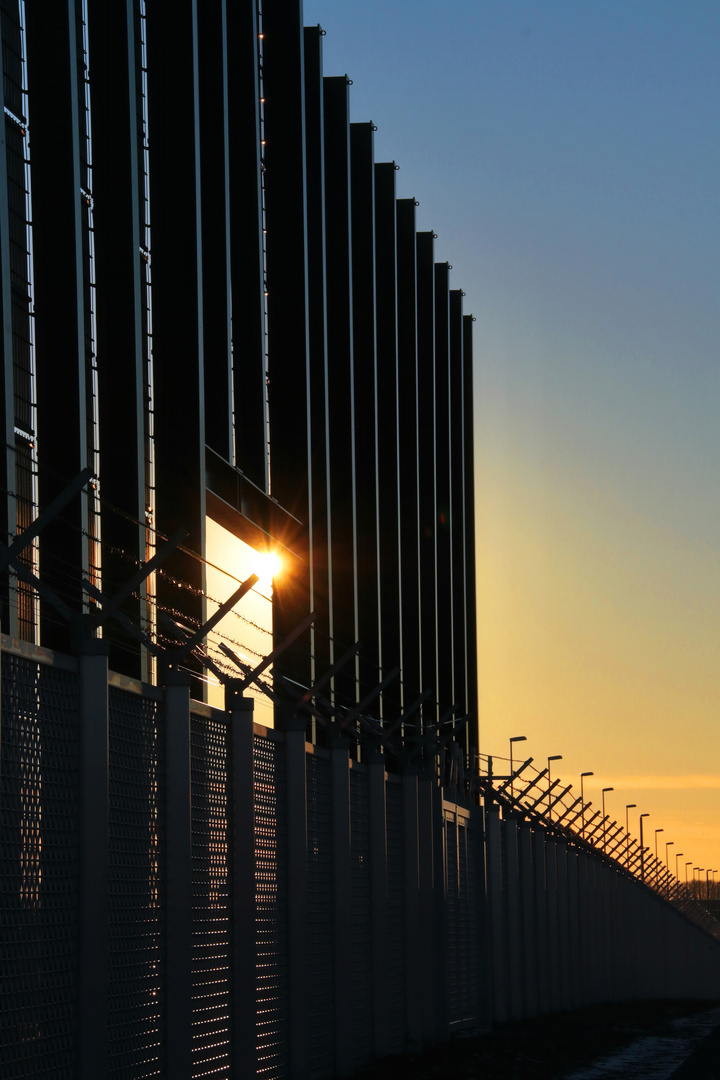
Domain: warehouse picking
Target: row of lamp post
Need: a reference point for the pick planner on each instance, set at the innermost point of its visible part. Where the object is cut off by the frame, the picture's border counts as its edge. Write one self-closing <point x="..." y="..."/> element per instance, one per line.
<point x="628" y="808"/>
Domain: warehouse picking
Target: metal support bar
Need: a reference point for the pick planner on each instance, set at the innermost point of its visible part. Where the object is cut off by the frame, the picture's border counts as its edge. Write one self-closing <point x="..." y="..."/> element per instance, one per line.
<point x="388" y="734"/>
<point x="221" y="612"/>
<point x="544" y="794"/>
<point x="121" y="617"/>
<point x="331" y="671"/>
<point x="279" y="650"/>
<point x="514" y="776"/>
<point x="9" y="554"/>
<point x="44" y="593"/>
<point x="357" y="709"/>
<point x="109" y="607"/>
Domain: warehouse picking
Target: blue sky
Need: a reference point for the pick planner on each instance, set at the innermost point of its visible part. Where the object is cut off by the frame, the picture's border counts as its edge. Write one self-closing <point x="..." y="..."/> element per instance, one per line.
<point x="567" y="154"/>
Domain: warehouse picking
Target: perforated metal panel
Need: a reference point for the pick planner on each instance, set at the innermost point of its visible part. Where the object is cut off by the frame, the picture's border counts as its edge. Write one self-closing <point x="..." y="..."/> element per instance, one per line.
<point x="395" y="959"/>
<point x="271" y="908"/>
<point x="39" y="774"/>
<point x="451" y="919"/>
<point x="211" y="913"/>
<point x="320" y="918"/>
<point x="467" y="877"/>
<point x="137" y="879"/>
<point x="360" y="943"/>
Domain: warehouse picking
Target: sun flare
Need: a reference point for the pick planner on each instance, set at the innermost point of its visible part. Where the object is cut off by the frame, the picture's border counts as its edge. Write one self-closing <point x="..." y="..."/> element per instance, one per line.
<point x="268" y="565"/>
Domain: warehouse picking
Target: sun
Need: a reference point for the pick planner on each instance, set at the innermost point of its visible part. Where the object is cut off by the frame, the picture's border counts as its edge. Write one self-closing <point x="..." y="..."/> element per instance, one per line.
<point x="268" y="565"/>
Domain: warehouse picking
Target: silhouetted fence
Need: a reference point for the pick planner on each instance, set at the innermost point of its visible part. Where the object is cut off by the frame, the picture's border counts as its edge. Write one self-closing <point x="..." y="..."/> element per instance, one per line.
<point x="186" y="894"/>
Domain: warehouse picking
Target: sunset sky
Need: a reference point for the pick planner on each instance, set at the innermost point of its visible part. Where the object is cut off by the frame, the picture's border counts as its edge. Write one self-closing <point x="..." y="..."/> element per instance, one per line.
<point x="567" y="153"/>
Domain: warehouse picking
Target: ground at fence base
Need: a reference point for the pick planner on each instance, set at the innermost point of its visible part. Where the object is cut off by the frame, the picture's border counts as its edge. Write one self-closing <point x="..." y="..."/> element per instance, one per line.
<point x="547" y="1048"/>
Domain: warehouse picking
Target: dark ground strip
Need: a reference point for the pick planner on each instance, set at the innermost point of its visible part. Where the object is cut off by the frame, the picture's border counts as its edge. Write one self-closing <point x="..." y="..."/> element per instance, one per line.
<point x="704" y="1062"/>
<point x="550" y="1047"/>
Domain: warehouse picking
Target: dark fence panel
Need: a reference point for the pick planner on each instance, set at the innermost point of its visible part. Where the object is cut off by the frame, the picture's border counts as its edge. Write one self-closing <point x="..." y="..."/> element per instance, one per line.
<point x="271" y="909"/>
<point x="137" y="885"/>
<point x="39" y="858"/>
<point x="211" y="911"/>
<point x="395" y="954"/>
<point x="320" y="983"/>
<point x="360" y="938"/>
<point x="554" y="908"/>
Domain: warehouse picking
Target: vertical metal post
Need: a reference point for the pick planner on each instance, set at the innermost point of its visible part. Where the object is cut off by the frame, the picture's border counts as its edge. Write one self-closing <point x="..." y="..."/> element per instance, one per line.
<point x="541" y="920"/>
<point x="442" y="1023"/>
<point x="294" y="728"/>
<point x="427" y="907"/>
<point x="574" y="927"/>
<point x="563" y="926"/>
<point x="243" y="864"/>
<point x="411" y="883"/>
<point x="495" y="915"/>
<point x="178" y="860"/>
<point x="482" y="957"/>
<point x="378" y="901"/>
<point x="585" y="930"/>
<point x="553" y="935"/>
<point x="529" y="922"/>
<point x="512" y="911"/>
<point x="342" y="895"/>
<point x="94" y="862"/>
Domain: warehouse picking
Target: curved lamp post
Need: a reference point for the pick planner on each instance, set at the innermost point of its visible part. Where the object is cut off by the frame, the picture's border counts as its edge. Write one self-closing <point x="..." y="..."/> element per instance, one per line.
<point x="669" y="844"/>
<point x="553" y="757"/>
<point x="603" y="814"/>
<point x="514" y="739"/>
<point x="582" y="800"/>
<point x="656" y="854"/>
<point x="642" y="848"/>
<point x="628" y="806"/>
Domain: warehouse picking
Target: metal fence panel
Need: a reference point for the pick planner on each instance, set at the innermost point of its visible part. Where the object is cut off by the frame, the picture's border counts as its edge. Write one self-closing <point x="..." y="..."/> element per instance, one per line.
<point x="452" y="919"/>
<point x="271" y="910"/>
<point x="136" y="885"/>
<point x="211" y="911"/>
<point x="395" y="957"/>
<point x="39" y="857"/>
<point x="320" y="989"/>
<point x="467" y="923"/>
<point x="360" y="941"/>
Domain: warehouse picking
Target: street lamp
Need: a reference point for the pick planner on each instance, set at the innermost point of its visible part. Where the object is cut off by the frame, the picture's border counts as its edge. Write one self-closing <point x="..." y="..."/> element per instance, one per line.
<point x="629" y="806"/>
<point x="514" y="739"/>
<point x="686" y="866"/>
<point x="699" y="872"/>
<point x="678" y="855"/>
<point x="603" y="808"/>
<point x="669" y="844"/>
<point x="553" y="757"/>
<point x="642" y="848"/>
<point x="582" y="800"/>
<point x="656" y="854"/>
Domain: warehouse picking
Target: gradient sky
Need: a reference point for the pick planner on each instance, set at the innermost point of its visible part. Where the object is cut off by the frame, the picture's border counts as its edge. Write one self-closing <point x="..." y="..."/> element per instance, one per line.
<point x="567" y="153"/>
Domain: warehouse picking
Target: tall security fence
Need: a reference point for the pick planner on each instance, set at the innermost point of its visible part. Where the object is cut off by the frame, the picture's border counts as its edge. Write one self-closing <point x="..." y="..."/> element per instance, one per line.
<point x="186" y="894"/>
